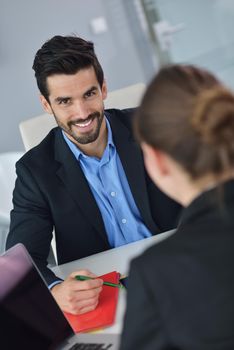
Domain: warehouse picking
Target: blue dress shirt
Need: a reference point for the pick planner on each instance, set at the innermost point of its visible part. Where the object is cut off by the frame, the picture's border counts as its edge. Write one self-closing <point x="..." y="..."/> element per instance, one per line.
<point x="109" y="185"/>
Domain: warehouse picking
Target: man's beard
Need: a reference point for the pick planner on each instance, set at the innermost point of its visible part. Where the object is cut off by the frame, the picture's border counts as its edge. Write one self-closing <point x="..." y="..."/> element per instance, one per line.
<point x="88" y="137"/>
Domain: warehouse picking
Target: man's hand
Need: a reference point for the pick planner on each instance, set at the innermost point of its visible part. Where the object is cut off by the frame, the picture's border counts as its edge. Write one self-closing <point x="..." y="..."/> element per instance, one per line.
<point x="78" y="297"/>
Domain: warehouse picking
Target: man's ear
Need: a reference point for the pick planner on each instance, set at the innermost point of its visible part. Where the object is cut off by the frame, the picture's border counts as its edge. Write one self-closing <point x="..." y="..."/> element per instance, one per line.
<point x="104" y="90"/>
<point x="45" y="104"/>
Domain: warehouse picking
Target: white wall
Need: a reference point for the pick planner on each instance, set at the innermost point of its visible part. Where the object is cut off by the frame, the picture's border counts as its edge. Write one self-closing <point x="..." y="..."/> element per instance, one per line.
<point x="207" y="37"/>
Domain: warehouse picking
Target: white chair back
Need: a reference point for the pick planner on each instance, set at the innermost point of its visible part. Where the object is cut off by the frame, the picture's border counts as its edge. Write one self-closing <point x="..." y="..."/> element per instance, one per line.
<point x="127" y="97"/>
<point x="34" y="130"/>
<point x="7" y="184"/>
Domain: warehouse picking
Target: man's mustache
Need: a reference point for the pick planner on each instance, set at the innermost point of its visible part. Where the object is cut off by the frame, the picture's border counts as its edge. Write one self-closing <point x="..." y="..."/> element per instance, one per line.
<point x="83" y="121"/>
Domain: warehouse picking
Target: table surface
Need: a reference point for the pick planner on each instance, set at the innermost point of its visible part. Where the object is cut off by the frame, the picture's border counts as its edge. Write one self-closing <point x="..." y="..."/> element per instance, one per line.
<point x="116" y="259"/>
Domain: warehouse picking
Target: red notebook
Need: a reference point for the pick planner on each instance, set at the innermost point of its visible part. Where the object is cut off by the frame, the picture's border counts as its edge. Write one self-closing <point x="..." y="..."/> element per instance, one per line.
<point x="104" y="314"/>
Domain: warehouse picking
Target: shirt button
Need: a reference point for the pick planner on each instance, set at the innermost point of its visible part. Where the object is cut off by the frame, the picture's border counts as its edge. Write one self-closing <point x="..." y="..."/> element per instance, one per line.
<point x="113" y="194"/>
<point x="124" y="221"/>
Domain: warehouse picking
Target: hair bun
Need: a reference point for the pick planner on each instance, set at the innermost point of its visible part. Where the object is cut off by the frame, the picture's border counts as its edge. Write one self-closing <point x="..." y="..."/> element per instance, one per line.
<point x="213" y="117"/>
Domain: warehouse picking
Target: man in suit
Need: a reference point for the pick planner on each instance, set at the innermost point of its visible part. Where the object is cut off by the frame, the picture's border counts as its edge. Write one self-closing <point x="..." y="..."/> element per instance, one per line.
<point x="86" y="179"/>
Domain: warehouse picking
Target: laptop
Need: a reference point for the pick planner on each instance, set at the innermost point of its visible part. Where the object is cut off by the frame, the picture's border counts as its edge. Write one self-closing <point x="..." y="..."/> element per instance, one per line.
<point x="29" y="316"/>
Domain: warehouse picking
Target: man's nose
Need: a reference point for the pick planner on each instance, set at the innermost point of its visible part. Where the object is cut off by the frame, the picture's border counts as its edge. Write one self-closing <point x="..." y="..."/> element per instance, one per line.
<point x="81" y="110"/>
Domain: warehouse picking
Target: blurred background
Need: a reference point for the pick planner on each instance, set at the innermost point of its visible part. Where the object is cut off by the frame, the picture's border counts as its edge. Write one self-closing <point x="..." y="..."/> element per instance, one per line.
<point x="133" y="38"/>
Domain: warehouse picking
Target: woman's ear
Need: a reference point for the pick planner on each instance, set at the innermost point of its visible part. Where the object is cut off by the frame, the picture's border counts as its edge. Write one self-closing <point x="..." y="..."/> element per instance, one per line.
<point x="163" y="171"/>
<point x="156" y="161"/>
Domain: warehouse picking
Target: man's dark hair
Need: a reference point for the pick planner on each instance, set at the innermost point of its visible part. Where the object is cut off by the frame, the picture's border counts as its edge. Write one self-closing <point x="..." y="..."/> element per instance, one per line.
<point x="64" y="55"/>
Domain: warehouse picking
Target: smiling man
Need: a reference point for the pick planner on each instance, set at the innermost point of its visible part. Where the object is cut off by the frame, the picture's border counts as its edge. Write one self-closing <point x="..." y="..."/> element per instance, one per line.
<point x="79" y="112"/>
<point x="86" y="179"/>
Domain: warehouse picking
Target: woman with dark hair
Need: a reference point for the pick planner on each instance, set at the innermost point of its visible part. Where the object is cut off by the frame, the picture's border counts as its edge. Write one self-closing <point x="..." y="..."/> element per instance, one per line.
<point x="181" y="291"/>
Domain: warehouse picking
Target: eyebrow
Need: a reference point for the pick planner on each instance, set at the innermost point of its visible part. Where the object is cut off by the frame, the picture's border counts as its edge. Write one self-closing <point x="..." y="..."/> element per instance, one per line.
<point x="93" y="88"/>
<point x="59" y="99"/>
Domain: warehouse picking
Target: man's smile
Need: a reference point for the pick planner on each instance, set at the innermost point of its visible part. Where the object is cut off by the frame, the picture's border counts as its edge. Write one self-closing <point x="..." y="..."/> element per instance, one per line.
<point x="84" y="124"/>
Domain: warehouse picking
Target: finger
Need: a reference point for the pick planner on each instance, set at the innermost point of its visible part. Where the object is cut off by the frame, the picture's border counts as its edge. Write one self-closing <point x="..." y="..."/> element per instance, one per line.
<point x="87" y="309"/>
<point x="85" y="285"/>
<point x="83" y="273"/>
<point x="86" y="304"/>
<point x="86" y="294"/>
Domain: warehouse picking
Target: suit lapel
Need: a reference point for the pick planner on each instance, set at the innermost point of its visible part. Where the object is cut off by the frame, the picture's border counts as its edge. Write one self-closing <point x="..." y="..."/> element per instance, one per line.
<point x="72" y="176"/>
<point x="132" y="162"/>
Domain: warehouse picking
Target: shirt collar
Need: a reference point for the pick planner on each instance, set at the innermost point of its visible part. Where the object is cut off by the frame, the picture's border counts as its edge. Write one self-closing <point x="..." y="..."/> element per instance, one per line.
<point x="78" y="153"/>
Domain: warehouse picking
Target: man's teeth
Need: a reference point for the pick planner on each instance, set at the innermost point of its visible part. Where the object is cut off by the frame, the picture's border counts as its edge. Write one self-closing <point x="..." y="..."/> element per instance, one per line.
<point x="83" y="125"/>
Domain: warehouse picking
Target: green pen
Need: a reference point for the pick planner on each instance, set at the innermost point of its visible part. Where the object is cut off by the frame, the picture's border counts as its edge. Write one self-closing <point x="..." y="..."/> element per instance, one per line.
<point x="110" y="284"/>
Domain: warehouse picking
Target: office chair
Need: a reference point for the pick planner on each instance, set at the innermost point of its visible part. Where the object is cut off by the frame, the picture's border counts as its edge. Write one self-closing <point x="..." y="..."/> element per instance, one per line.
<point x="33" y="130"/>
<point x="7" y="183"/>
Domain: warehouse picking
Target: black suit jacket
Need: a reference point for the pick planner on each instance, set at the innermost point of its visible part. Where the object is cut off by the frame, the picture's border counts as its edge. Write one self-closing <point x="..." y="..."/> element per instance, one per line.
<point x="52" y="191"/>
<point x="181" y="291"/>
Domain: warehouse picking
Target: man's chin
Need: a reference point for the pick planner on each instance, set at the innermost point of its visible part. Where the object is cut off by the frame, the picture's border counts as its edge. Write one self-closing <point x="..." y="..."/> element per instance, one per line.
<point x="84" y="139"/>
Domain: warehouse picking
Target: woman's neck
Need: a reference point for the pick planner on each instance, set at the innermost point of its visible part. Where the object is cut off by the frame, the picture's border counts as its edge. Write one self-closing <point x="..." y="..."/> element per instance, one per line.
<point x="193" y="188"/>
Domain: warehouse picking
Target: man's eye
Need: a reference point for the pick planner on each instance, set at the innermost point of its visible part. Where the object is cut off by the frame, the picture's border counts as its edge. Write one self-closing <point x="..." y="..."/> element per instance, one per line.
<point x="64" y="101"/>
<point x="90" y="93"/>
